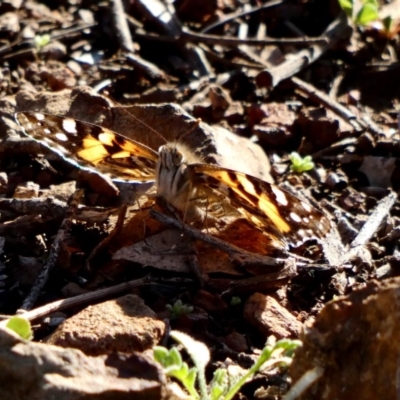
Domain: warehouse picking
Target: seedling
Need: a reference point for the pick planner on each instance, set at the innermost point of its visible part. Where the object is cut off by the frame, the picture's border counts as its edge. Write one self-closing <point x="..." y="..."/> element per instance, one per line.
<point x="41" y="41"/>
<point x="223" y="386"/>
<point x="178" y="309"/>
<point x="20" y="326"/>
<point x="235" y="301"/>
<point x="300" y="164"/>
<point x="361" y="14"/>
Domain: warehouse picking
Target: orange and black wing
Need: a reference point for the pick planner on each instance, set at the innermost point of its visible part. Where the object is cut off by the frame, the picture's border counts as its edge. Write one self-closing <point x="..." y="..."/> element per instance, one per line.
<point x="278" y="211"/>
<point x="90" y="145"/>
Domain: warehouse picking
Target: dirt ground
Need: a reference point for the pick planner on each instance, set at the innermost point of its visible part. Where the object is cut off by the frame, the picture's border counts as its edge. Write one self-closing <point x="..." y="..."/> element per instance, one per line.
<point x="238" y="86"/>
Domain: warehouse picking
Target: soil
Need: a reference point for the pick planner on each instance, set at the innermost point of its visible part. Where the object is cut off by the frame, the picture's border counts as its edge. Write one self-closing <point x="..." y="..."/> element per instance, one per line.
<point x="243" y="91"/>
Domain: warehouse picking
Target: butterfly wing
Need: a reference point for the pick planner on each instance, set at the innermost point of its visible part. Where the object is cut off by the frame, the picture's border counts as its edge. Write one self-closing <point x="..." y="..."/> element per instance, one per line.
<point x="91" y="145"/>
<point x="279" y="211"/>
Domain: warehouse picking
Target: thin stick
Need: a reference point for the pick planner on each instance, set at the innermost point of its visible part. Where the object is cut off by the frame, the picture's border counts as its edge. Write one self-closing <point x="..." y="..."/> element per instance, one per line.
<point x="61" y="305"/>
<point x="53" y="256"/>
<point x="121" y="26"/>
<point x="190" y="36"/>
<point x="235" y="252"/>
<point x="326" y="101"/>
<point x="242" y="13"/>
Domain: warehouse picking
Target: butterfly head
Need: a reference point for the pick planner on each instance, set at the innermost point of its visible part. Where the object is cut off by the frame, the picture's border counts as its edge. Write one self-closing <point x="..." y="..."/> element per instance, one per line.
<point x="170" y="157"/>
<point x="173" y="178"/>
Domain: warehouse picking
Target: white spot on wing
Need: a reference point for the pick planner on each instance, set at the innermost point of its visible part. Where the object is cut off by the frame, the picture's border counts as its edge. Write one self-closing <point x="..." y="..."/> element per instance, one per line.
<point x="295" y="217"/>
<point x="39" y="117"/>
<point x="280" y="196"/>
<point x="47" y="131"/>
<point x="69" y="125"/>
<point x="306" y="206"/>
<point x="301" y="233"/>
<point x="61" y="136"/>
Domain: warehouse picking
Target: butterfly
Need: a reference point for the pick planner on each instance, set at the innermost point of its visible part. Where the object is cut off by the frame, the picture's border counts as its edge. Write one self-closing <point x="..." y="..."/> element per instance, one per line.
<point x="191" y="186"/>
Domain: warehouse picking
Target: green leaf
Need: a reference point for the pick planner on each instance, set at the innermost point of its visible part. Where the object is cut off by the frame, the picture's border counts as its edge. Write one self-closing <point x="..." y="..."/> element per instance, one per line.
<point x="21" y="326"/>
<point x="219" y="384"/>
<point x="373" y="2"/>
<point x="178" y="309"/>
<point x="235" y="301"/>
<point x="388" y="24"/>
<point x="175" y="356"/>
<point x="41" y="40"/>
<point x="160" y="354"/>
<point x="191" y="376"/>
<point x="288" y="345"/>
<point x="367" y="14"/>
<point x="347" y="6"/>
<point x="300" y="164"/>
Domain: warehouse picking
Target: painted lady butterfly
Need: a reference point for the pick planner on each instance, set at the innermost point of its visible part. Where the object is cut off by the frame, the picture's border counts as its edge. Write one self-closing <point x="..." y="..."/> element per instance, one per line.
<point x="181" y="179"/>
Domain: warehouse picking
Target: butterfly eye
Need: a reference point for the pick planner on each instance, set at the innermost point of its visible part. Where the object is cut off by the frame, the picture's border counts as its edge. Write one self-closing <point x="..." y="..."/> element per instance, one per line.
<point x="177" y="158"/>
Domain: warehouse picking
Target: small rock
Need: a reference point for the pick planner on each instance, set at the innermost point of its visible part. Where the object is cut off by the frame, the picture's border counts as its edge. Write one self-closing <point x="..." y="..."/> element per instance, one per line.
<point x="236" y="342"/>
<point x="3" y="183"/>
<point x="26" y="190"/>
<point x="125" y="325"/>
<point x="265" y="313"/>
<point x="32" y="370"/>
<point x="9" y="24"/>
<point x="63" y="191"/>
<point x="336" y="181"/>
<point x="209" y="302"/>
<point x="54" y="50"/>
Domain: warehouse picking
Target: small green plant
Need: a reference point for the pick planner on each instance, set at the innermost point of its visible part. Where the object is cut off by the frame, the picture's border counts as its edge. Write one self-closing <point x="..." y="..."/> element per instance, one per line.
<point x="300" y="164"/>
<point x="41" y="41"/>
<point x="365" y="13"/>
<point x="19" y="325"/>
<point x="235" y="301"/>
<point x="178" y="309"/>
<point x="223" y="386"/>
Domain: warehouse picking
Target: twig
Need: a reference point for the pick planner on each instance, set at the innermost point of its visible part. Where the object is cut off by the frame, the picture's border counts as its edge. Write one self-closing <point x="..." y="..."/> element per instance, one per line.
<point x="49" y="206"/>
<point x="235" y="252"/>
<point x="223" y="60"/>
<point x="335" y="147"/>
<point x="40" y="205"/>
<point x="326" y="101"/>
<point x="374" y="220"/>
<point x="53" y="256"/>
<point x="370" y="227"/>
<point x="338" y="29"/>
<point x="161" y="14"/>
<point x="148" y="68"/>
<point x="99" y="249"/>
<point x="195" y="267"/>
<point x="240" y="14"/>
<point x="25" y="225"/>
<point x="262" y="281"/>
<point x="121" y="26"/>
<point x="190" y="36"/>
<point x="165" y="17"/>
<point x="59" y="34"/>
<point x="81" y="299"/>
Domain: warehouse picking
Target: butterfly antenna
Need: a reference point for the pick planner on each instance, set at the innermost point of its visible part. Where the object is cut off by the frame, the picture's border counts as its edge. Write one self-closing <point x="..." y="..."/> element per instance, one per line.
<point x="190" y="130"/>
<point x="106" y="94"/>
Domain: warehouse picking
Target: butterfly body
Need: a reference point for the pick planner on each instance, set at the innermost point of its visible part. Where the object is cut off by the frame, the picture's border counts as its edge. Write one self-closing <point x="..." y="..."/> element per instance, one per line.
<point x="194" y="188"/>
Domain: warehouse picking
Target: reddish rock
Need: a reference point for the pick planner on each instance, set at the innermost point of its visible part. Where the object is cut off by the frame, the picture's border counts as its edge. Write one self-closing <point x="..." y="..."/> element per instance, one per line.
<point x="125" y="325"/>
<point x="236" y="342"/>
<point x="355" y="342"/>
<point x="270" y="317"/>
